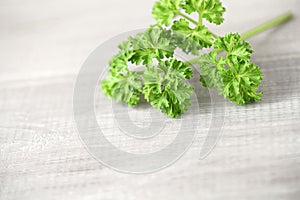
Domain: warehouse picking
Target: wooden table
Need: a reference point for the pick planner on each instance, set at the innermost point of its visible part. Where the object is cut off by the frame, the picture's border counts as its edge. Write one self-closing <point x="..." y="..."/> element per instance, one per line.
<point x="43" y="46"/>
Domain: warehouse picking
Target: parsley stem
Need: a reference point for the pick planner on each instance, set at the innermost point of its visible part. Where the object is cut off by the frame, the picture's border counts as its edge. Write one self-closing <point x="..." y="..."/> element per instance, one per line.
<point x="263" y="27"/>
<point x="258" y="29"/>
<point x="215" y="36"/>
<point x="200" y="19"/>
<point x="187" y="17"/>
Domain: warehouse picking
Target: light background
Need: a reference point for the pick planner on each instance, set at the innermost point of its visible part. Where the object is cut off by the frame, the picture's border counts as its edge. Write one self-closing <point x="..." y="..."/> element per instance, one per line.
<point x="43" y="45"/>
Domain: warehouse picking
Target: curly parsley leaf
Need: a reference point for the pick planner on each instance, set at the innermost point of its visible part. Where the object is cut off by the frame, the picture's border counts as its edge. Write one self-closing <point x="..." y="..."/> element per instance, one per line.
<point x="241" y="83"/>
<point x="118" y="63"/>
<point x="227" y="67"/>
<point x="165" y="10"/>
<point x="191" y="40"/>
<point x="234" y="76"/>
<point x="211" y="10"/>
<point x="232" y="44"/>
<point x="167" y="91"/>
<point x="180" y="67"/>
<point x="153" y="43"/>
<point x="209" y="70"/>
<point x="125" y="88"/>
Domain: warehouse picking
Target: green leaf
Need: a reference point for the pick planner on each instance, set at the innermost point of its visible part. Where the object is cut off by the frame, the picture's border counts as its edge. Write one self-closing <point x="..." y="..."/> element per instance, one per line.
<point x="241" y="83"/>
<point x="155" y="42"/>
<point x="125" y="88"/>
<point x="234" y="47"/>
<point x="167" y="91"/>
<point x="191" y="40"/>
<point x="118" y="64"/>
<point x="209" y="65"/>
<point x="165" y="10"/>
<point x="178" y="66"/>
<point x="234" y="76"/>
<point x="211" y="10"/>
<point x="226" y="68"/>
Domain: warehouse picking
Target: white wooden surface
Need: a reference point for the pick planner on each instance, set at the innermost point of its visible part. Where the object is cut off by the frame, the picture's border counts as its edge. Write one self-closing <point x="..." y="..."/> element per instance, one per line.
<point x="43" y="45"/>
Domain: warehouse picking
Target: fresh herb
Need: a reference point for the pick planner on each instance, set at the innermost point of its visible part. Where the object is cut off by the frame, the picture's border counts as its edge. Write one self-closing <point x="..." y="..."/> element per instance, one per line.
<point x="164" y="82"/>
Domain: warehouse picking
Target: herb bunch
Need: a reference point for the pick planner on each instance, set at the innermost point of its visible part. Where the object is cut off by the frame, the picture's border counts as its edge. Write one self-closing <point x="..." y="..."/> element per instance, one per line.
<point x="163" y="83"/>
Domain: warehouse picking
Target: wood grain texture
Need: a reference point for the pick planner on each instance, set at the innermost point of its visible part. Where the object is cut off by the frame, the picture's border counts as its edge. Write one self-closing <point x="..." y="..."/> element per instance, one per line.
<point x="43" y="45"/>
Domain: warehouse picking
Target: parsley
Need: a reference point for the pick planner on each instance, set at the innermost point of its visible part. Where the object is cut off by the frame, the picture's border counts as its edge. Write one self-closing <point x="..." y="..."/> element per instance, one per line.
<point x="164" y="81"/>
<point x="233" y="75"/>
<point x="166" y="90"/>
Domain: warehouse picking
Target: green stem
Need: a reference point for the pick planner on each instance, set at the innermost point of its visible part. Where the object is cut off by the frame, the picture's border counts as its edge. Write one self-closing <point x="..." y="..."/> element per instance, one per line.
<point x="200" y="19"/>
<point x="263" y="27"/>
<point x="215" y="36"/>
<point x="256" y="30"/>
<point x="199" y="23"/>
<point x="187" y="17"/>
<point x="229" y="65"/>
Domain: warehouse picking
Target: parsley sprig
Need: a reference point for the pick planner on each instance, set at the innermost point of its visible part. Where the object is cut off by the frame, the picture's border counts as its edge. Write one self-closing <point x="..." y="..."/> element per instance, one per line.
<point x="164" y="81"/>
